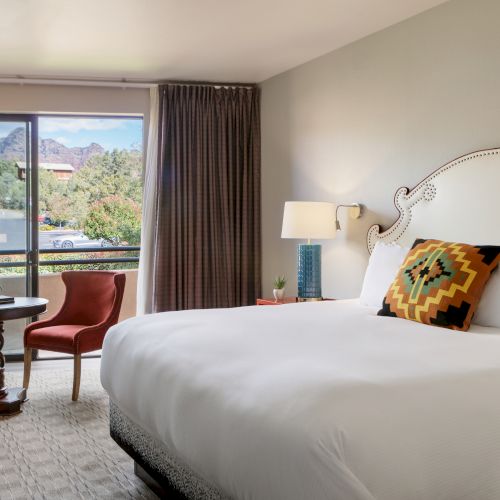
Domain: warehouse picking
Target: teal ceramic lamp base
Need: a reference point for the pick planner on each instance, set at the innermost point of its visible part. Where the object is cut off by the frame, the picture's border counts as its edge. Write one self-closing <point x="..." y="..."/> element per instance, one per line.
<point x="309" y="272"/>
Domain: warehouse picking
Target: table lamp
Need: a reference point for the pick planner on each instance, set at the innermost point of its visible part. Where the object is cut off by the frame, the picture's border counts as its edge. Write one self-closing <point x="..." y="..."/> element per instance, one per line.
<point x="309" y="220"/>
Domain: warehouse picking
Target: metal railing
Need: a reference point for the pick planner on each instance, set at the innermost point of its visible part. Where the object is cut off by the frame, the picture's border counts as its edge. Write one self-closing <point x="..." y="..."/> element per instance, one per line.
<point x="63" y="262"/>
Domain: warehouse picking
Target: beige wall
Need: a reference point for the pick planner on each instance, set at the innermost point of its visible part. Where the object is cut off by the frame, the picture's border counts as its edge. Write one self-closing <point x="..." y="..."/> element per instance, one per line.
<point x="15" y="98"/>
<point x="384" y="112"/>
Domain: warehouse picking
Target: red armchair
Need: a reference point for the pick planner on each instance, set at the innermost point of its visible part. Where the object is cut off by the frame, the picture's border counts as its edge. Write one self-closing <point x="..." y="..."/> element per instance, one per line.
<point x="91" y="306"/>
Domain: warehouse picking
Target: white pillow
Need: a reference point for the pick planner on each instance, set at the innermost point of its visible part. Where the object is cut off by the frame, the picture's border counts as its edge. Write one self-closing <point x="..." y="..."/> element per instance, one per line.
<point x="384" y="264"/>
<point x="488" y="311"/>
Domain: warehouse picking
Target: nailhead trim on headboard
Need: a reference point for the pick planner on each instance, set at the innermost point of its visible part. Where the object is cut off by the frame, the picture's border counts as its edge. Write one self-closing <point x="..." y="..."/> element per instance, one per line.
<point x="405" y="199"/>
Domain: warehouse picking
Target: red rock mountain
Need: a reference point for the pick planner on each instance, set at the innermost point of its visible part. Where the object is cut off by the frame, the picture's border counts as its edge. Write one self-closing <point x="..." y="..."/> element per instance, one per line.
<point x="12" y="147"/>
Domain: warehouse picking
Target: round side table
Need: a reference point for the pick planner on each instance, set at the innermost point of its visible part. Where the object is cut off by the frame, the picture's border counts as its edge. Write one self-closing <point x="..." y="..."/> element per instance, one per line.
<point x="22" y="307"/>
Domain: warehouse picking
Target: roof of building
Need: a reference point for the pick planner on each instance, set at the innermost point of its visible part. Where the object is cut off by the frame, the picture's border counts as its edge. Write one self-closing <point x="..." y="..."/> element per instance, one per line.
<point x="60" y="167"/>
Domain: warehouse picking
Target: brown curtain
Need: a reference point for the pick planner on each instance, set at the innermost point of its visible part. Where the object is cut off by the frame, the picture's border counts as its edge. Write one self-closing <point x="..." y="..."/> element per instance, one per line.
<point x="208" y="216"/>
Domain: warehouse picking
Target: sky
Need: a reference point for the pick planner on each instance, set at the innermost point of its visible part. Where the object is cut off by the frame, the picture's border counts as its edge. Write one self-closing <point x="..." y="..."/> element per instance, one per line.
<point x="110" y="133"/>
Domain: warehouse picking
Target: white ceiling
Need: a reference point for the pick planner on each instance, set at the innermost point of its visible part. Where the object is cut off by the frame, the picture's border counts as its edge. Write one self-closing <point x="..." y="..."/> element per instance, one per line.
<point x="223" y="40"/>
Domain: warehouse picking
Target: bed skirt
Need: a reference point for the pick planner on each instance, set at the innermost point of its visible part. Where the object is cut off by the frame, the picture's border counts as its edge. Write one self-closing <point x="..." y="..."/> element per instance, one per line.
<point x="158" y="462"/>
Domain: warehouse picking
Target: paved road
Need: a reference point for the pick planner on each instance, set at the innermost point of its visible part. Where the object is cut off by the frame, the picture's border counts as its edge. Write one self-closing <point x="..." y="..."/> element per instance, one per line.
<point x="13" y="231"/>
<point x="13" y="235"/>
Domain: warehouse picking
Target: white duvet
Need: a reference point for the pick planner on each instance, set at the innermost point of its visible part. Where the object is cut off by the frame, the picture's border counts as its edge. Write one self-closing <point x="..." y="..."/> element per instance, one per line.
<point x="315" y="401"/>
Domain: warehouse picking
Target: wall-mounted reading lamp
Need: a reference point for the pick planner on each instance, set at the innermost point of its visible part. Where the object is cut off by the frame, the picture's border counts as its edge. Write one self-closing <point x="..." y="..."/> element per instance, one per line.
<point x="354" y="213"/>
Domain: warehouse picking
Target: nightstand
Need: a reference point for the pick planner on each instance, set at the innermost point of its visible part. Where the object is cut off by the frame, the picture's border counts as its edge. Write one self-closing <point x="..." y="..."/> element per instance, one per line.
<point x="286" y="300"/>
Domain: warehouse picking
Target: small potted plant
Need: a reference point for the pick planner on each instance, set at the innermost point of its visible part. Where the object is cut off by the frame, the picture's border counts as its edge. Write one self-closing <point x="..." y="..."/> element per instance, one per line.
<point x="279" y="288"/>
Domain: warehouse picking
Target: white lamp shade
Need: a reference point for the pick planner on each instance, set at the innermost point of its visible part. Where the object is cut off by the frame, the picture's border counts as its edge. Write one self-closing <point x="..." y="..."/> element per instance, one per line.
<point x="313" y="220"/>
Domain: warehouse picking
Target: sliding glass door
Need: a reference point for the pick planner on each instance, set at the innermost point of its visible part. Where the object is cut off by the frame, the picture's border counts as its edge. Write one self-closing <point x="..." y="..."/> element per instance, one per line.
<point x="18" y="217"/>
<point x="70" y="199"/>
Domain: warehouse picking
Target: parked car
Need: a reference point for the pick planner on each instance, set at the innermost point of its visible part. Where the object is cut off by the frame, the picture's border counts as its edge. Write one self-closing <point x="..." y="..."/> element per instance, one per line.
<point x="79" y="240"/>
<point x="44" y="219"/>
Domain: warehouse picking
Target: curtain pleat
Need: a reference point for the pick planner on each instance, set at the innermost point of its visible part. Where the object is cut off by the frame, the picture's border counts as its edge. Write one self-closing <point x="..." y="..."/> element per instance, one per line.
<point x="208" y="236"/>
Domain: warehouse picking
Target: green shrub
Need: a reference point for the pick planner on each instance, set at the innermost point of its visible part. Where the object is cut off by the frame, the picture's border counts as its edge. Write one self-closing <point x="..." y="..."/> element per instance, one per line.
<point x="114" y="218"/>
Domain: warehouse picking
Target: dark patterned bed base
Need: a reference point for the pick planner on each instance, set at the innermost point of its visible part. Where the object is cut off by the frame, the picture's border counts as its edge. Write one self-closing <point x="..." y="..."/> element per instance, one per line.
<point x="153" y="456"/>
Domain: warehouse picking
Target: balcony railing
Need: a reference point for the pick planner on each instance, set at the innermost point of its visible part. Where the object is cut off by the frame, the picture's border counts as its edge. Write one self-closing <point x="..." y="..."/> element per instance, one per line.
<point x="49" y="251"/>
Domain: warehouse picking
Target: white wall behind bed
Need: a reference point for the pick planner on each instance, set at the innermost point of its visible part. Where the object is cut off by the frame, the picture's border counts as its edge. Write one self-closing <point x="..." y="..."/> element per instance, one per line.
<point x="356" y="124"/>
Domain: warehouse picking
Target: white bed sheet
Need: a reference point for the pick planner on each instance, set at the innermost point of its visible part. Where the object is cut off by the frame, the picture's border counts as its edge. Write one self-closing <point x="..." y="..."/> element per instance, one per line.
<point x="315" y="401"/>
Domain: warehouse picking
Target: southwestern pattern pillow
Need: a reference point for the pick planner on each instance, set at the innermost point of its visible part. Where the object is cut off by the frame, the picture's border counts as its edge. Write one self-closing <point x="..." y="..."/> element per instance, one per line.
<point x="441" y="283"/>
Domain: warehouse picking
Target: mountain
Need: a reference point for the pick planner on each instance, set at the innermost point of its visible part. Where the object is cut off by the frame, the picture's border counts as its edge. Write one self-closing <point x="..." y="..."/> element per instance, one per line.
<point x="55" y="152"/>
<point x="12" y="147"/>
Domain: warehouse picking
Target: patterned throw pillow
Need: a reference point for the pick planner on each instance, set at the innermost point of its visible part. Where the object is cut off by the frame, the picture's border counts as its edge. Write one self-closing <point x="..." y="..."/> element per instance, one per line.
<point x="441" y="283"/>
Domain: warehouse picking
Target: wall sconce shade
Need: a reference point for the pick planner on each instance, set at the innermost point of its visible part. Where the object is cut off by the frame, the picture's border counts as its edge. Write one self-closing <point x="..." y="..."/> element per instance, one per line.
<point x="309" y="220"/>
<point x="354" y="213"/>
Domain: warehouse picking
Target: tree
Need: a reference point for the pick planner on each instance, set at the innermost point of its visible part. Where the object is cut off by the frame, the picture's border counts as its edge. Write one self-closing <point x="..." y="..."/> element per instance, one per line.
<point x="12" y="189"/>
<point x="113" y="173"/>
<point x="61" y="209"/>
<point x="114" y="218"/>
<point x="59" y="201"/>
<point x="49" y="186"/>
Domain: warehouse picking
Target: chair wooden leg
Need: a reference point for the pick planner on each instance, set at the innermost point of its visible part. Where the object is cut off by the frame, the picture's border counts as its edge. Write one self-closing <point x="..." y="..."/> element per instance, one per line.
<point x="27" y="366"/>
<point x="76" y="376"/>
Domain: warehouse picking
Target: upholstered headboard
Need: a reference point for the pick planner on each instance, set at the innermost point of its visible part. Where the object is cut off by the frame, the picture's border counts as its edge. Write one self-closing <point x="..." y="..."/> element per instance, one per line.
<point x="458" y="202"/>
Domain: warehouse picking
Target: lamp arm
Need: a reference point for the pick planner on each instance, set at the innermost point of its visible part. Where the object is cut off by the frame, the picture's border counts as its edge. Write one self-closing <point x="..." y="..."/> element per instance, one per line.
<point x="352" y="205"/>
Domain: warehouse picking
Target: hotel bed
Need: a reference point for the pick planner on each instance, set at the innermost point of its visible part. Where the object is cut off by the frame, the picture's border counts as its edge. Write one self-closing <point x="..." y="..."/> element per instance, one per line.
<point x="321" y="400"/>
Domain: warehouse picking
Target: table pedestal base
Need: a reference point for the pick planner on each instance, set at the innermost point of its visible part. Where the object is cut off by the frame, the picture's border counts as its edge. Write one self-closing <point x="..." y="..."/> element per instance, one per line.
<point x="22" y="307"/>
<point x="10" y="404"/>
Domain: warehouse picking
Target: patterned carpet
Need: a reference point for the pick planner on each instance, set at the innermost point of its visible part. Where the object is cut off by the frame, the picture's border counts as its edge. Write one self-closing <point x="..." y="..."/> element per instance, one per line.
<point x="60" y="449"/>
